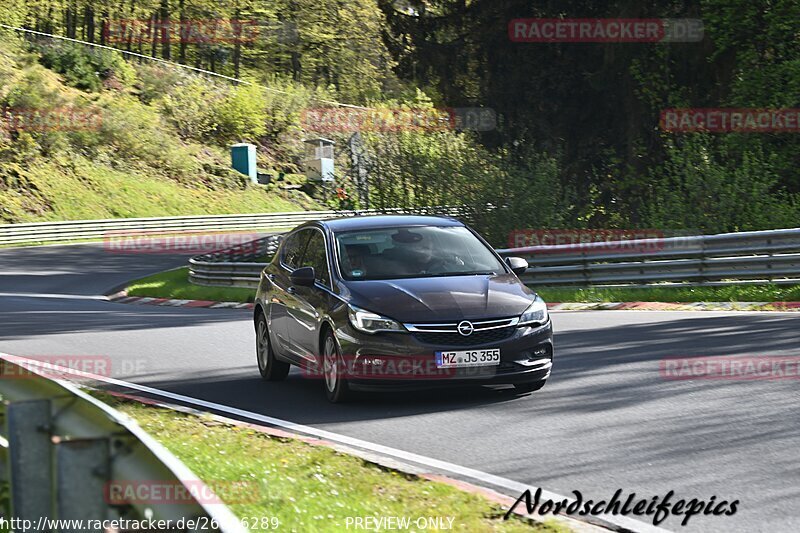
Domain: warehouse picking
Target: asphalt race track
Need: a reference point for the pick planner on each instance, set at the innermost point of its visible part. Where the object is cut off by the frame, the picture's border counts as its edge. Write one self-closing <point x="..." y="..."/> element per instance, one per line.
<point x="606" y="420"/>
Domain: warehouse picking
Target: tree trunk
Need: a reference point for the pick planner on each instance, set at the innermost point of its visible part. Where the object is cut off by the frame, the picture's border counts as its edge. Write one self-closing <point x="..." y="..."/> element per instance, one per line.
<point x="182" y="48"/>
<point x="68" y="21"/>
<point x="165" y="30"/>
<point x="237" y="46"/>
<point x="104" y="26"/>
<point x="88" y="18"/>
<point x="154" y="23"/>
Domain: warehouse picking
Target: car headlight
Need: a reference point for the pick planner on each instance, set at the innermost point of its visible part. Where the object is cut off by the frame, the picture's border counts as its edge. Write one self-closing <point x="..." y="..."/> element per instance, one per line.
<point x="535" y="314"/>
<point x="370" y="322"/>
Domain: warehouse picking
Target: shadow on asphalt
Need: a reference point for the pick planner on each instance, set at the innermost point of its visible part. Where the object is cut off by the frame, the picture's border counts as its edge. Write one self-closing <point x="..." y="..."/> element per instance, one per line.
<point x="86" y="269"/>
<point x="34" y="317"/>
<point x="303" y="401"/>
<point x="596" y="372"/>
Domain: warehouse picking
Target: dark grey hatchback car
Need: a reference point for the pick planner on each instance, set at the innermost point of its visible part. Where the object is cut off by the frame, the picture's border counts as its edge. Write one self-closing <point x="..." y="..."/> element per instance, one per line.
<point x="399" y="302"/>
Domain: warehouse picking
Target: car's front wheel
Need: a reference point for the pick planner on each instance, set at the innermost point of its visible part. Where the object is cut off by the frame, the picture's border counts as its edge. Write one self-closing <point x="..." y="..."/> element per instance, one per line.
<point x="336" y="385"/>
<point x="529" y="386"/>
<point x="268" y="365"/>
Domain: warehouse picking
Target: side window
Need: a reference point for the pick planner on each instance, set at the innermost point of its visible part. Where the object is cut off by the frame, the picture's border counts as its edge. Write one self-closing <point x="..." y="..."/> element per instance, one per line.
<point x="293" y="249"/>
<point x="316" y="256"/>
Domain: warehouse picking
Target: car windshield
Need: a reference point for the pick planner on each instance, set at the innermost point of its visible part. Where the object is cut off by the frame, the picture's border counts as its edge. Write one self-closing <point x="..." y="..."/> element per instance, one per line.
<point x="413" y="252"/>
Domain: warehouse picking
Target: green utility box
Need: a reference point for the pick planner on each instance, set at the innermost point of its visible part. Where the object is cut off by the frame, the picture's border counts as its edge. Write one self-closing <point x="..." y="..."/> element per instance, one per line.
<point x="243" y="159"/>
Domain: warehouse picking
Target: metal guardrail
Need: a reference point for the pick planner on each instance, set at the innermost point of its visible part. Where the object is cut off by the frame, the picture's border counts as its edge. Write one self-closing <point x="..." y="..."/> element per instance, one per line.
<point x="725" y="259"/>
<point x="11" y="234"/>
<point x="61" y="449"/>
<point x="235" y="267"/>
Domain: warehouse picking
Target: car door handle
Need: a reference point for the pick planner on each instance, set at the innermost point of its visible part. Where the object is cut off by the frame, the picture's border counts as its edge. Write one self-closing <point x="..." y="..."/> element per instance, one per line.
<point x="291" y="290"/>
<point x="271" y="277"/>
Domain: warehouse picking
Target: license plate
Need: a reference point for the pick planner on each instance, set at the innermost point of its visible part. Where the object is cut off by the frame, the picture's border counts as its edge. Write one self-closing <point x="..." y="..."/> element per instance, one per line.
<point x="468" y="358"/>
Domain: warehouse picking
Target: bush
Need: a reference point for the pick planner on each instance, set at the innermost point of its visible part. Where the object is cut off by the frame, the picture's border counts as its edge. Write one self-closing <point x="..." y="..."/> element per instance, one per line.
<point x="204" y="112"/>
<point x="705" y="186"/>
<point x="188" y="106"/>
<point x="155" y="81"/>
<point x="135" y="133"/>
<point x="240" y="116"/>
<point x="500" y="194"/>
<point x="87" y="68"/>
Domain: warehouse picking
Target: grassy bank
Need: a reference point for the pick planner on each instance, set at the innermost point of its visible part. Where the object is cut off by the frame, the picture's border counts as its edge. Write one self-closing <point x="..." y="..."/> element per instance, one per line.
<point x="310" y="488"/>
<point x="175" y="284"/>
<point x="113" y="139"/>
<point x="86" y="190"/>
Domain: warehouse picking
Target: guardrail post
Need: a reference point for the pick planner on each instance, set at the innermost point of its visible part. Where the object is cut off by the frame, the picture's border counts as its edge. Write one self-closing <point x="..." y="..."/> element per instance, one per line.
<point x="30" y="458"/>
<point x="82" y="468"/>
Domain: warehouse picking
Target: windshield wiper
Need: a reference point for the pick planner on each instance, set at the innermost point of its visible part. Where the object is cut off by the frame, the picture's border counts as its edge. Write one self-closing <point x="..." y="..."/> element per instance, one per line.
<point x="449" y="274"/>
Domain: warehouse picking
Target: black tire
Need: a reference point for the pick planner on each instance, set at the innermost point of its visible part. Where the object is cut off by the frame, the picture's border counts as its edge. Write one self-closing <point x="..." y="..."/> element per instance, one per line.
<point x="270" y="368"/>
<point x="529" y="386"/>
<point x="336" y="386"/>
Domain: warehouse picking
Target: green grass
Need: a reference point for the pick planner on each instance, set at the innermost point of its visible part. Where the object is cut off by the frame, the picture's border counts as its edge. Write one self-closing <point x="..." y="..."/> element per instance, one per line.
<point x="175" y="284"/>
<point x="311" y="488"/>
<point x="730" y="293"/>
<point x="95" y="191"/>
<point x="134" y="162"/>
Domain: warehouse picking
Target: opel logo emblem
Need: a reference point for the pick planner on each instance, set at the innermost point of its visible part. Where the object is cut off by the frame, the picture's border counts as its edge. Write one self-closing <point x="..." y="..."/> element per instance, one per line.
<point x="465" y="328"/>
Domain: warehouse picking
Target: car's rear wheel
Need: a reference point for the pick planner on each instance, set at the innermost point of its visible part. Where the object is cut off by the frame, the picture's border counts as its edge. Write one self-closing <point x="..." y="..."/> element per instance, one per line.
<point x="336" y="385"/>
<point x="268" y="366"/>
<point x="529" y="386"/>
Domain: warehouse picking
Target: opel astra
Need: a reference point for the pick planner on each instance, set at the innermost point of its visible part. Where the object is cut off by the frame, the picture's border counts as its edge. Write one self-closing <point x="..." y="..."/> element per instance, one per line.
<point x="395" y="301"/>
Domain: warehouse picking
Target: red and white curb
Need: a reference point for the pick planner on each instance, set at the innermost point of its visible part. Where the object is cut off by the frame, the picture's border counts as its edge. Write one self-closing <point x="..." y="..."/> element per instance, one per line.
<point x="123" y="298"/>
<point x="674" y="306"/>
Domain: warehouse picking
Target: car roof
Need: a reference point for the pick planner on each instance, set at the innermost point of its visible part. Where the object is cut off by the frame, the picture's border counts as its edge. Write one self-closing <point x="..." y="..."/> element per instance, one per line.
<point x="386" y="221"/>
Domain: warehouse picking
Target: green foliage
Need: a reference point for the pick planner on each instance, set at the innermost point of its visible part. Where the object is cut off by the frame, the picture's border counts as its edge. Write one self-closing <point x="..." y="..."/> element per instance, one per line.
<point x="86" y="68"/>
<point x="240" y="116"/>
<point x="704" y="186"/>
<point x="413" y="169"/>
<point x="155" y="81"/>
<point x="579" y="143"/>
<point x="127" y="162"/>
<point x="188" y="107"/>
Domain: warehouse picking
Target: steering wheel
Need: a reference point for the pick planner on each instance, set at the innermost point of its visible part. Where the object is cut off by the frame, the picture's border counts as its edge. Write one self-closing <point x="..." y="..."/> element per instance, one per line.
<point x="445" y="263"/>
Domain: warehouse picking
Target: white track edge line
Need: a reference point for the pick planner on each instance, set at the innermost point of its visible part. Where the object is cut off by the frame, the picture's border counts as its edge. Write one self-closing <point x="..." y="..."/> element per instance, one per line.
<point x="610" y="521"/>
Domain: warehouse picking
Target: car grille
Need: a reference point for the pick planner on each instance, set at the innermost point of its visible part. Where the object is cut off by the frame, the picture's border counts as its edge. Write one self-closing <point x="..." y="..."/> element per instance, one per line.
<point x="485" y="332"/>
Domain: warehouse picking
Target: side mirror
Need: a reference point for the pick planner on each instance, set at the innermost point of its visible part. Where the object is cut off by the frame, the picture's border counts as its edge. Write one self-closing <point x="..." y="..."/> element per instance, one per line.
<point x="518" y="265"/>
<point x="303" y="277"/>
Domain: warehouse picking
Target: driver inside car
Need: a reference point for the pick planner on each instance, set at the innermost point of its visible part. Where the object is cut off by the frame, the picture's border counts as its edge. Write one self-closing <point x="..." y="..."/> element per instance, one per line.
<point x="417" y="253"/>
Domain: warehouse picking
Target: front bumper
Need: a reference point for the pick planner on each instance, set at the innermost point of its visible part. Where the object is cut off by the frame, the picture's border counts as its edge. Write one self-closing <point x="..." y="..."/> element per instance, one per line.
<point x="402" y="361"/>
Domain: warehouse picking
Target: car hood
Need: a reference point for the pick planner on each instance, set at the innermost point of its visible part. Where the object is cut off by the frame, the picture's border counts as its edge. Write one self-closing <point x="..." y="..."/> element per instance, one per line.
<point x="443" y="299"/>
